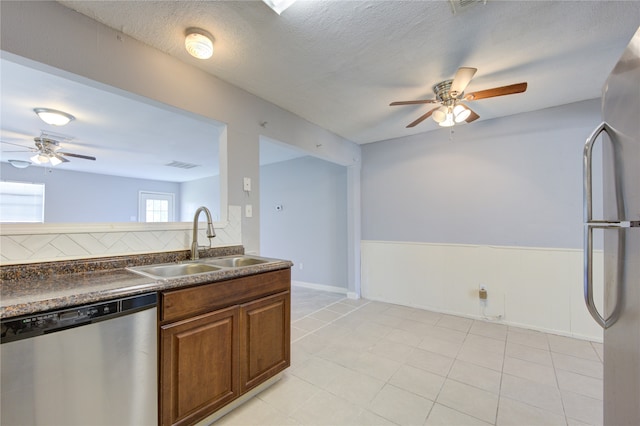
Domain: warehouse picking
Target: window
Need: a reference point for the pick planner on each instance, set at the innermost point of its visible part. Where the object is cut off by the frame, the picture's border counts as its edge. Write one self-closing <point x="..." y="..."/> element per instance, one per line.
<point x="21" y="202"/>
<point x="155" y="207"/>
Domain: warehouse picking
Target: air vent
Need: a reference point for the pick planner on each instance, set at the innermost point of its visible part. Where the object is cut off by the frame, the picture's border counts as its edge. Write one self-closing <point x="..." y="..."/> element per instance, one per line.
<point x="458" y="6"/>
<point x="181" y="165"/>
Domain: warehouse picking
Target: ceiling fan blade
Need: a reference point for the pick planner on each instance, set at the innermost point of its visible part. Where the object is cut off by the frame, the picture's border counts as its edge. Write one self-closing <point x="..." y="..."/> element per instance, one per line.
<point x="16" y="144"/>
<point x="461" y="80"/>
<point x="426" y="101"/>
<point x="59" y="157"/>
<point x="422" y="118"/>
<point x="497" y="91"/>
<point x="69" y="154"/>
<point x="472" y="117"/>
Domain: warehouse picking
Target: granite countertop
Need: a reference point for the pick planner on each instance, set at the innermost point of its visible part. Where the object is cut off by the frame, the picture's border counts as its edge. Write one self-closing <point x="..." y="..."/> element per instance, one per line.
<point x="75" y="283"/>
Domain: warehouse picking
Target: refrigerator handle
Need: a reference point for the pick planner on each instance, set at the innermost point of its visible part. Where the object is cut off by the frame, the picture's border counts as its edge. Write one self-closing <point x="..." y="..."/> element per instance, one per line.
<point x="588" y="281"/>
<point x="590" y="224"/>
<point x="587" y="170"/>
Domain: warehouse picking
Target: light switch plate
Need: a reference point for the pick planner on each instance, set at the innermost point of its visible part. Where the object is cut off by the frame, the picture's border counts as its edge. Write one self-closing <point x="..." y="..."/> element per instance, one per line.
<point x="248" y="210"/>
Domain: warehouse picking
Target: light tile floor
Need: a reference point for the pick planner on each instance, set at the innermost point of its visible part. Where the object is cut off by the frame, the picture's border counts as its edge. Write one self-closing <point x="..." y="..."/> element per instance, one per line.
<point x="356" y="362"/>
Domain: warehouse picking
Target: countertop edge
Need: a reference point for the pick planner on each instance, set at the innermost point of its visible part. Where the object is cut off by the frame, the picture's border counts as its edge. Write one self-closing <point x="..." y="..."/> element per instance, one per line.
<point x="132" y="284"/>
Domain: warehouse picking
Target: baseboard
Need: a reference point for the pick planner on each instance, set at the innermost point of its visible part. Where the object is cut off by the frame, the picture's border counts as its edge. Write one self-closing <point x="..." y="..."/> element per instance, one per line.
<point x="323" y="287"/>
<point x="495" y="321"/>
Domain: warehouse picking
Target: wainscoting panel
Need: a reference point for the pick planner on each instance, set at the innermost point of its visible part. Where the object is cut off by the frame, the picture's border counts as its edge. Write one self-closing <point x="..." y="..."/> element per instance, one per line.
<point x="536" y="288"/>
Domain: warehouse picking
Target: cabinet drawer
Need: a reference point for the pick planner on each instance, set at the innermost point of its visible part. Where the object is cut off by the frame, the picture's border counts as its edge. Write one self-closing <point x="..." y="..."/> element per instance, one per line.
<point x="183" y="303"/>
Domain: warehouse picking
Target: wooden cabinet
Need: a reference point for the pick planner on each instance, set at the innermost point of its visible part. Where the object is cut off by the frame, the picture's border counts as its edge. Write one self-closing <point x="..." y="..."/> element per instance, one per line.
<point x="264" y="339"/>
<point x="217" y="343"/>
<point x="199" y="363"/>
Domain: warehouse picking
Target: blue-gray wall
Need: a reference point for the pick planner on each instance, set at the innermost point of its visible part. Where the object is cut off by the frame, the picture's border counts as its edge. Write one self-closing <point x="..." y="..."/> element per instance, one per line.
<point x="514" y="181"/>
<point x="199" y="192"/>
<point x="88" y="197"/>
<point x="311" y="228"/>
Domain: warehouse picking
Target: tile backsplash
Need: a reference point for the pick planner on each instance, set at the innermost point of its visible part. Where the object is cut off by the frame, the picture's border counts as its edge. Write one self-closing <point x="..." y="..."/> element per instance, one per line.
<point x="110" y="240"/>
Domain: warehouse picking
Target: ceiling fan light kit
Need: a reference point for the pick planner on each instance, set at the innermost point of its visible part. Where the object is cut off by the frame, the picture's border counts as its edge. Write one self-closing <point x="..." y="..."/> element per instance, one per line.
<point x="44" y="159"/>
<point x="460" y="113"/>
<point x="450" y="94"/>
<point x="440" y="114"/>
<point x="53" y="116"/>
<point x="47" y="151"/>
<point x="40" y="158"/>
<point x="199" y="43"/>
<point x="447" y="116"/>
<point x="448" y="122"/>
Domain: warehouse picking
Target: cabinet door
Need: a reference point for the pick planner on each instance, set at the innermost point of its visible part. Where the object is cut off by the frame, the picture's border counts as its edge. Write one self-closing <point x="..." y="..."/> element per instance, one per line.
<point x="264" y="339"/>
<point x="198" y="369"/>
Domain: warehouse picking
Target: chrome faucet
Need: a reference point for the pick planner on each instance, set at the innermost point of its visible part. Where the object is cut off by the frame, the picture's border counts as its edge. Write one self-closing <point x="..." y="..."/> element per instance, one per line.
<point x="210" y="232"/>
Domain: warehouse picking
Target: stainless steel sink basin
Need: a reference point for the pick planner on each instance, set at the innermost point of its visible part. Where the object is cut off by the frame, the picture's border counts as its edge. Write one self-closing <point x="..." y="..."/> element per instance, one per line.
<point x="176" y="270"/>
<point x="235" y="262"/>
<point x="180" y="270"/>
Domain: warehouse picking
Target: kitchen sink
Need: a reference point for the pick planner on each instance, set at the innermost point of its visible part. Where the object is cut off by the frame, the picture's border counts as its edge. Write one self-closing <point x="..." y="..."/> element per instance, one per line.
<point x="201" y="266"/>
<point x="235" y="262"/>
<point x="174" y="270"/>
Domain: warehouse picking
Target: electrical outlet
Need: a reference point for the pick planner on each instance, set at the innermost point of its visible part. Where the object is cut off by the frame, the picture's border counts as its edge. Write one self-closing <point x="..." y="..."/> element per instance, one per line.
<point x="482" y="293"/>
<point x="247" y="184"/>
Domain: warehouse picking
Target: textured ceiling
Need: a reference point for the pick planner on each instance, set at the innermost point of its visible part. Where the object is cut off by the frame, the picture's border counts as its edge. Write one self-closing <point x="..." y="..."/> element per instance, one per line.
<point x="339" y="64"/>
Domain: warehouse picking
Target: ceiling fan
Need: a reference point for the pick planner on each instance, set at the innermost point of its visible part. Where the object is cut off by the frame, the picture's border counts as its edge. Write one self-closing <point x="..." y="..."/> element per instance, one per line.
<point x="47" y="150"/>
<point x="450" y="94"/>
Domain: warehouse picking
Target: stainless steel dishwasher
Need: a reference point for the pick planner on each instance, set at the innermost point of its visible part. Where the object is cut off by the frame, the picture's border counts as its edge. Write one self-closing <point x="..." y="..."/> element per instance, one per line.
<point x="88" y="365"/>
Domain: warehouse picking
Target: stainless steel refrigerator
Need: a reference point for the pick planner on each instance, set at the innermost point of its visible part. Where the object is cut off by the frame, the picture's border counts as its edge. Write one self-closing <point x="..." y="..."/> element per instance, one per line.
<point x="619" y="135"/>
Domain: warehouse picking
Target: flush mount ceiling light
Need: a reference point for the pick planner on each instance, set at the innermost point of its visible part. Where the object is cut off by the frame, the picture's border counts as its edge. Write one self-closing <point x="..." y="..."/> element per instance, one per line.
<point x="279" y="6"/>
<point x="199" y="43"/>
<point x="53" y="116"/>
<point x="20" y="164"/>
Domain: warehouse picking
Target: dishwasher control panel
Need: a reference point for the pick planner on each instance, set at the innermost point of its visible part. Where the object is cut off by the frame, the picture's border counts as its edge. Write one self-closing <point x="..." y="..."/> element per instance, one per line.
<point x="37" y="324"/>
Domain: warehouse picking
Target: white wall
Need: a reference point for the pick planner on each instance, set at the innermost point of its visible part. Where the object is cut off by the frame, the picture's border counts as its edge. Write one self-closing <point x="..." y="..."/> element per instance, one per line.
<point x="537" y="288"/>
<point x="499" y="204"/>
<point x="311" y="227"/>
